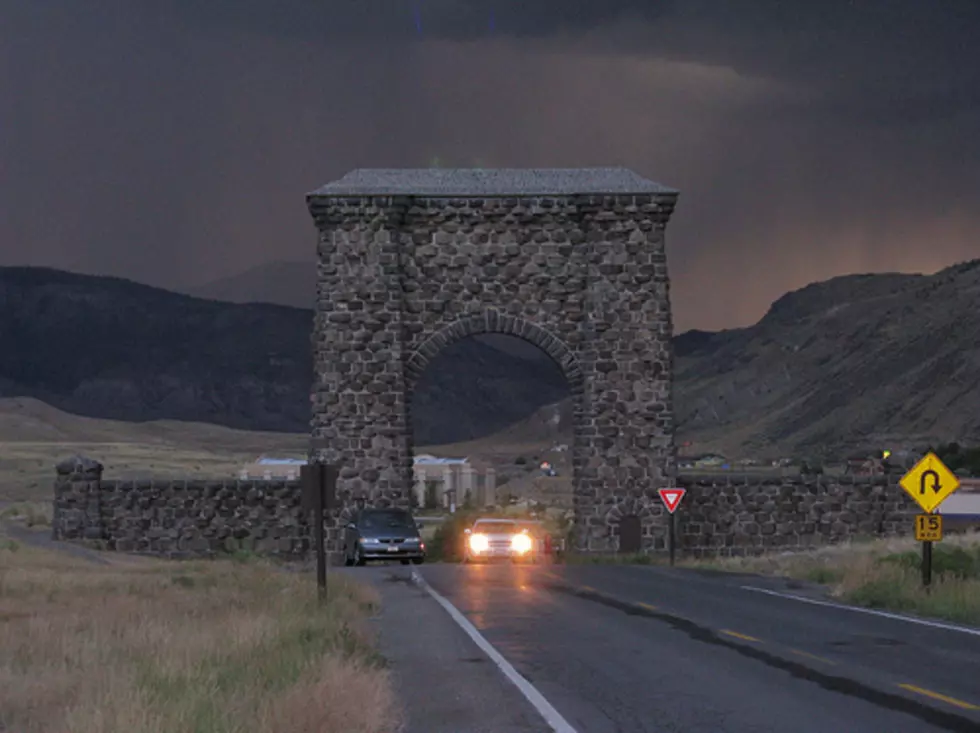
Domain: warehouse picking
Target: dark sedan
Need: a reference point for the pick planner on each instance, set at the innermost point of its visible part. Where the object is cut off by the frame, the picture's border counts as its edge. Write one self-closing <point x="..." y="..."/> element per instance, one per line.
<point x="383" y="534"/>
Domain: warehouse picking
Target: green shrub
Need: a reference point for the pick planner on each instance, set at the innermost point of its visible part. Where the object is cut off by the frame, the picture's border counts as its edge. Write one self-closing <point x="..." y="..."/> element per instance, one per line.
<point x="824" y="575"/>
<point x="956" y="562"/>
<point x="447" y="542"/>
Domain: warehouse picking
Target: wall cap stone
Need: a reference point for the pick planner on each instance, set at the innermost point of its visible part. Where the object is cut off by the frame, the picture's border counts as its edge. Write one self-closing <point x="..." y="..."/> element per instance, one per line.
<point x="78" y="464"/>
<point x="489" y="182"/>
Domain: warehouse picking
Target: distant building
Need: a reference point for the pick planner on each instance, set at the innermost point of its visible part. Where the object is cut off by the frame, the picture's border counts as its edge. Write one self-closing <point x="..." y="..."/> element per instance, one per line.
<point x="272" y="469"/>
<point x="704" y="460"/>
<point x="452" y="479"/>
<point x="447" y="474"/>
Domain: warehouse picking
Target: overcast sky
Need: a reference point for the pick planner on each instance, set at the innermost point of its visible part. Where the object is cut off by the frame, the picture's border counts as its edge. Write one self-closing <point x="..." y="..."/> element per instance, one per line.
<point x="173" y="142"/>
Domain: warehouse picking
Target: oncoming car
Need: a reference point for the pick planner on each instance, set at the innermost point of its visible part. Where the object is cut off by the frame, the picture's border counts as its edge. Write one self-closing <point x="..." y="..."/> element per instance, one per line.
<point x="502" y="539"/>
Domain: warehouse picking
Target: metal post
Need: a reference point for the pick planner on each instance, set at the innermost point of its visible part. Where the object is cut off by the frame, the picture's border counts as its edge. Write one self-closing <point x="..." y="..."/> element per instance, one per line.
<point x="321" y="554"/>
<point x="926" y="564"/>
<point x="671" y="538"/>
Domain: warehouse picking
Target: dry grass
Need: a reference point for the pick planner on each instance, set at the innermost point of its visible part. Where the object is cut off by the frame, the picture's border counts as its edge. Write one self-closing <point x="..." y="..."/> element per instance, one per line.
<point x="148" y="646"/>
<point x="30" y="513"/>
<point x="883" y="574"/>
<point x="35" y="436"/>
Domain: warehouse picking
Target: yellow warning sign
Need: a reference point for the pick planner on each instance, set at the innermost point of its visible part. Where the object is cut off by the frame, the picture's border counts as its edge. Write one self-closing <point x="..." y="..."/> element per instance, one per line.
<point x="929" y="527"/>
<point x="930" y="482"/>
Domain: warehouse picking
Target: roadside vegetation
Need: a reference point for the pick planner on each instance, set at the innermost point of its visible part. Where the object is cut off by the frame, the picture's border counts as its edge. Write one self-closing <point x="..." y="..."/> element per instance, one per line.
<point x="883" y="574"/>
<point x="625" y="558"/>
<point x="30" y="513"/>
<point x="150" y="646"/>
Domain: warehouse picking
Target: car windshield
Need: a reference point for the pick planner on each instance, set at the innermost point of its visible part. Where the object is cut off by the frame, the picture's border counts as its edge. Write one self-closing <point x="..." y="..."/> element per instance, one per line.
<point x="495" y="527"/>
<point x="386" y="520"/>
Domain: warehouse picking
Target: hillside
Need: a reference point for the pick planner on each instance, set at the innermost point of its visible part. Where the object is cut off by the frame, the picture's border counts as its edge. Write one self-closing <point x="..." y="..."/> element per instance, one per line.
<point x="280" y="282"/>
<point x="110" y="348"/>
<point x="851" y="363"/>
<point x="860" y="361"/>
<point x="291" y="283"/>
<point x="35" y="435"/>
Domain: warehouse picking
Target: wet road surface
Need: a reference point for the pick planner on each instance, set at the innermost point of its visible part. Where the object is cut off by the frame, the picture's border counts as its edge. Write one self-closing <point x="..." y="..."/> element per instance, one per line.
<point x="632" y="648"/>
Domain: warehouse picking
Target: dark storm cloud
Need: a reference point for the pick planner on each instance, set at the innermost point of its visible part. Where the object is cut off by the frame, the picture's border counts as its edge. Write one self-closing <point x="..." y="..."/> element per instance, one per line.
<point x="905" y="58"/>
<point x="173" y="142"/>
<point x="357" y="20"/>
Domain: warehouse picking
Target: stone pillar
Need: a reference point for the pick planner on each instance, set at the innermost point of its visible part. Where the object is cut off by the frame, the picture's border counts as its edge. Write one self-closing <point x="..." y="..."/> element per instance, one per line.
<point x="420" y="481"/>
<point x="624" y="448"/>
<point x="77" y="501"/>
<point x="360" y="412"/>
<point x="467" y="484"/>
<point x="448" y="484"/>
<point x="490" y="488"/>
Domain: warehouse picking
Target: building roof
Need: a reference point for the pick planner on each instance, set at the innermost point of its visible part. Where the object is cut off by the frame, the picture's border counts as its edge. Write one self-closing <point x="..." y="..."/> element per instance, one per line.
<point x="264" y="461"/>
<point x="427" y="460"/>
<point x="490" y="182"/>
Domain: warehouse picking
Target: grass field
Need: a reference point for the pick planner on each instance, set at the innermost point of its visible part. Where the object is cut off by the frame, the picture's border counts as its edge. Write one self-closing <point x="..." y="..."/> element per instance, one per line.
<point x="148" y="646"/>
<point x="35" y="436"/>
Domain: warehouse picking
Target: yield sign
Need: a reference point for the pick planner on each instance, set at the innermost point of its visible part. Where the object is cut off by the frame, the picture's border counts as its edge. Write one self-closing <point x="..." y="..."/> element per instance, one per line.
<point x="672" y="498"/>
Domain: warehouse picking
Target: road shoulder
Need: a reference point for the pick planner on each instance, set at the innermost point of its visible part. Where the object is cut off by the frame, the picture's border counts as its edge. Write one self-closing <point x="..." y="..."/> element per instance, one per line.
<point x="445" y="682"/>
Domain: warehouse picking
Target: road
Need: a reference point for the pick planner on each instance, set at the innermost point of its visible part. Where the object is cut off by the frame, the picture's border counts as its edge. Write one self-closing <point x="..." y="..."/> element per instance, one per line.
<point x="656" y="649"/>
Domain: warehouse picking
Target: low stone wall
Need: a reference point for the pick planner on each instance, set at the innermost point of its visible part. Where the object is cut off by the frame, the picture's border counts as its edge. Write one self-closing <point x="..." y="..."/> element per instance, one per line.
<point x="179" y="519"/>
<point x="745" y="514"/>
<point x="721" y="514"/>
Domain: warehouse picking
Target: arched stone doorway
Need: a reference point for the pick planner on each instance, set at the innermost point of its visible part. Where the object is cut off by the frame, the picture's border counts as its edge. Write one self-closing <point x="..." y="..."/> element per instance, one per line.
<point x="572" y="261"/>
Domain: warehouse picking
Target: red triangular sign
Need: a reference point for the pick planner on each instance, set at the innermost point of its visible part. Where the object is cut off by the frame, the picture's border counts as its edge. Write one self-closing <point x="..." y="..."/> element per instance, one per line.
<point x="672" y="498"/>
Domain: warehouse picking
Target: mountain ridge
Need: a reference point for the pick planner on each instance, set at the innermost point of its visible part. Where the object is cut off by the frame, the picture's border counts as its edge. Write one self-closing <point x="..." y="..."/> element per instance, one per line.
<point x="847" y="362"/>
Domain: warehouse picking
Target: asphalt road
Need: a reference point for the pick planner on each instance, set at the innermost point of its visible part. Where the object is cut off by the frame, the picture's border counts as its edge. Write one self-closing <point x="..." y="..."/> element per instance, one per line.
<point x="632" y="648"/>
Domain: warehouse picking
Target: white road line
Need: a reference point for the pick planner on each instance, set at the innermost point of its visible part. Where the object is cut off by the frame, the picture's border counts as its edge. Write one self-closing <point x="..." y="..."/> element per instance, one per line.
<point x="551" y="716"/>
<point x="869" y="611"/>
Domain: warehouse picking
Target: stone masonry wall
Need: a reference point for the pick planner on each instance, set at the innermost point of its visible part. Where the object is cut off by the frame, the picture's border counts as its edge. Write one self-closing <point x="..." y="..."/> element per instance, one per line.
<point x="583" y="277"/>
<point x="178" y="519"/>
<point x="720" y="515"/>
<point x="750" y="514"/>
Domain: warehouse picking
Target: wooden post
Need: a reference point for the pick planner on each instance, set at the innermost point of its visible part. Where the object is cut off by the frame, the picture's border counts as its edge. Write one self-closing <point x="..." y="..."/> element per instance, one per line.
<point x="319" y="482"/>
<point x="927" y="564"/>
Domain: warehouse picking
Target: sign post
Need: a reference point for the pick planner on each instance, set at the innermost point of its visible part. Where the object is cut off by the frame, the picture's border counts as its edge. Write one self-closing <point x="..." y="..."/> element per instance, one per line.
<point x="672" y="499"/>
<point x="319" y="482"/>
<point x="929" y="483"/>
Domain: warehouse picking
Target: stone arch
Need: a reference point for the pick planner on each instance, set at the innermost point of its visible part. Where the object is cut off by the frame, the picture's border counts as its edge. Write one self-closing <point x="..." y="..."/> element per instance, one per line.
<point x="491" y="321"/>
<point x="571" y="260"/>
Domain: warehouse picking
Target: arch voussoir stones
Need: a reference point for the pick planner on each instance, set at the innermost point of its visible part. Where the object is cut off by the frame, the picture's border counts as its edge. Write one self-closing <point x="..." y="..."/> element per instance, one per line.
<point x="413" y="260"/>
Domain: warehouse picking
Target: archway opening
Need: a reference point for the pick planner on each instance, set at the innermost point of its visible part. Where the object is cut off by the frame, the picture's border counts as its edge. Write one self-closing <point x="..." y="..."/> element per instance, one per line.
<point x="492" y="433"/>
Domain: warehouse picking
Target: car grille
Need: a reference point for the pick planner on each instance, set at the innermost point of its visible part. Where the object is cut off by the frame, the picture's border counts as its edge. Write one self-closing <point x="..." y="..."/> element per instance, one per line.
<point x="396" y="540"/>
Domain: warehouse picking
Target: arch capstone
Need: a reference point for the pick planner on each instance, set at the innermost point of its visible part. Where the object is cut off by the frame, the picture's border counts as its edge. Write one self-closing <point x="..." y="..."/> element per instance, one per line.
<point x="570" y="260"/>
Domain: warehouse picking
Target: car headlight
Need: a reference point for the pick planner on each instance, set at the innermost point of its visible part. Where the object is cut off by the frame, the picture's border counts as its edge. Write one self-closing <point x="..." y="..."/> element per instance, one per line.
<point x="412" y="541"/>
<point x="521" y="543"/>
<point x="479" y="543"/>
